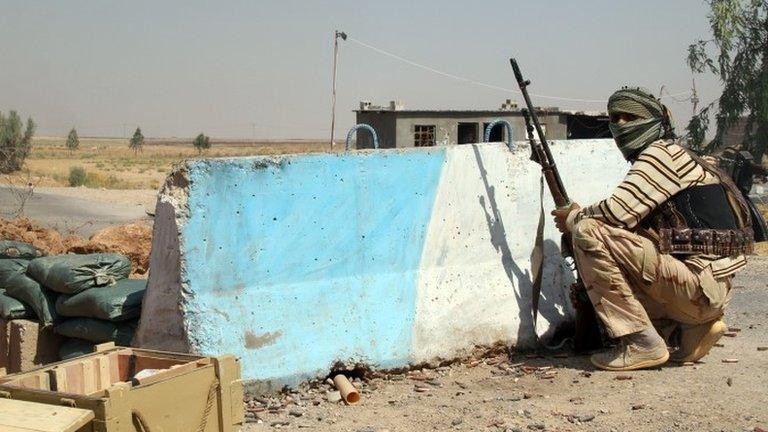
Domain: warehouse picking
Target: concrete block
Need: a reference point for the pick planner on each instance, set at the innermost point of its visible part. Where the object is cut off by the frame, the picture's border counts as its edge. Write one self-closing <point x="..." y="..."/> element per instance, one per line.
<point x="30" y="345"/>
<point x="388" y="258"/>
<point x="3" y="345"/>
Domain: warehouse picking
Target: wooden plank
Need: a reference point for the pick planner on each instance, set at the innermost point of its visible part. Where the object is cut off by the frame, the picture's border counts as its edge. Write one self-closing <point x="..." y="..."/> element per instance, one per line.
<point x="146" y="362"/>
<point x="125" y="366"/>
<point x="106" y="346"/>
<point x="174" y="371"/>
<point x="231" y="411"/>
<point x="18" y="416"/>
<point x="114" y="367"/>
<point x="89" y="376"/>
<point x="75" y="379"/>
<point x="37" y="381"/>
<point x="102" y="368"/>
<point x="59" y="380"/>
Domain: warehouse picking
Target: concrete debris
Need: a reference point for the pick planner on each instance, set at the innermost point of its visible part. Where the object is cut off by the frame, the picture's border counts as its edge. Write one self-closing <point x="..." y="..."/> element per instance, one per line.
<point x="333" y="396"/>
<point x="577" y="419"/>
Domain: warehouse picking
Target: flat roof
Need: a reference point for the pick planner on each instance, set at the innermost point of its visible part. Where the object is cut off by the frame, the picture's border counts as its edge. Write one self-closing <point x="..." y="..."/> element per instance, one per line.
<point x="553" y="110"/>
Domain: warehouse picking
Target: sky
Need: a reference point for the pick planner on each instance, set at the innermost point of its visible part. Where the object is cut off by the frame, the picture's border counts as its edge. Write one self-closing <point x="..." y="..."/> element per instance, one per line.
<point x="263" y="69"/>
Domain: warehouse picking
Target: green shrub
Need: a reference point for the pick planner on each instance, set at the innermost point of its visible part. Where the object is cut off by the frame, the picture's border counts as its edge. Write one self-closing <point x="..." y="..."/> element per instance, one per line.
<point x="77" y="176"/>
<point x="73" y="141"/>
<point x="15" y="141"/>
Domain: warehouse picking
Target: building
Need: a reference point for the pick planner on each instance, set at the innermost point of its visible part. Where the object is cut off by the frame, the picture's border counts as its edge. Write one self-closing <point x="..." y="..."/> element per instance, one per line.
<point x="399" y="127"/>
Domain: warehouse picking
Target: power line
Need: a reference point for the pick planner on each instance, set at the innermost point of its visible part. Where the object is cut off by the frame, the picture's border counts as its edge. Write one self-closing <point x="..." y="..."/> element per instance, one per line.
<point x="479" y="83"/>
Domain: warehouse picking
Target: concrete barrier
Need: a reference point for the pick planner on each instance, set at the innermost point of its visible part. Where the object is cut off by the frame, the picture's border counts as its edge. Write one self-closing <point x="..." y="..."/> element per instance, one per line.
<point x="387" y="258"/>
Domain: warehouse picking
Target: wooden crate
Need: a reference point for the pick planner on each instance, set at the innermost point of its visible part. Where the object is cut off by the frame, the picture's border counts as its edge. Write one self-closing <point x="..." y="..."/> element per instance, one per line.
<point x="184" y="393"/>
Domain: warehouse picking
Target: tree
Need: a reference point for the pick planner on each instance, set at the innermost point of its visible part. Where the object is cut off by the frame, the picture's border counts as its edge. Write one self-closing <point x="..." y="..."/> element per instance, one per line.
<point x="73" y="142"/>
<point x="137" y="141"/>
<point x="740" y="42"/>
<point x="201" y="143"/>
<point x="15" y="145"/>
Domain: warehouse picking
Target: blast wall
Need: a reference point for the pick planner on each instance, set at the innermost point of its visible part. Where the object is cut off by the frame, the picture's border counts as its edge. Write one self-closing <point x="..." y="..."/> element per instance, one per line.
<point x="388" y="258"/>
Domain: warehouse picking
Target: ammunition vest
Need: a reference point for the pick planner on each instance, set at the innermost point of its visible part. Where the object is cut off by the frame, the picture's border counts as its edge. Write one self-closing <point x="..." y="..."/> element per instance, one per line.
<point x="712" y="219"/>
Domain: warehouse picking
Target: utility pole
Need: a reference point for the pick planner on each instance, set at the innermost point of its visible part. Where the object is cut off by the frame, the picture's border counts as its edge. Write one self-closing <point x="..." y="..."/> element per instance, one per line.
<point x="336" y="35"/>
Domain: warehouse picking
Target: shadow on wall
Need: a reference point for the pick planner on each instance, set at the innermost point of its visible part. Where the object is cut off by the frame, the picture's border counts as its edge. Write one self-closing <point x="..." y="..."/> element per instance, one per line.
<point x="549" y="309"/>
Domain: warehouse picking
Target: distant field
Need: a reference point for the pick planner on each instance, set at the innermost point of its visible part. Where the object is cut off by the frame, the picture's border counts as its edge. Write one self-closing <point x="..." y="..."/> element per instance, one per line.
<point x="110" y="164"/>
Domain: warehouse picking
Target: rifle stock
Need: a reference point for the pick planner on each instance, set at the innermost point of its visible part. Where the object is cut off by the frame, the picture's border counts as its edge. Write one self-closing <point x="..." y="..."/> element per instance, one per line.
<point x="587" y="335"/>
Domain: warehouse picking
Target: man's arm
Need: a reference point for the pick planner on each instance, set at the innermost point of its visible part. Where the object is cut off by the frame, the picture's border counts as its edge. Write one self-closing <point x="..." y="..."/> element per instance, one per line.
<point x="651" y="180"/>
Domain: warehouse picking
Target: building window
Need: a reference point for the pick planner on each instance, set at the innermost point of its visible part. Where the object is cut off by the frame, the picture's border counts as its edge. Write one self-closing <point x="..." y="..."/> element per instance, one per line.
<point x="423" y="135"/>
<point x="467" y="133"/>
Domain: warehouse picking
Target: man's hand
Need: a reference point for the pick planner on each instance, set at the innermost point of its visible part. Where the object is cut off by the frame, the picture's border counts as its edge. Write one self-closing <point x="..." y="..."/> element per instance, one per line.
<point x="561" y="214"/>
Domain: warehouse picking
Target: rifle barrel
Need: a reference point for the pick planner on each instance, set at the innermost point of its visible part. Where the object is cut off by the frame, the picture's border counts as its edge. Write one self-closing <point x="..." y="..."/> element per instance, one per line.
<point x="550" y="162"/>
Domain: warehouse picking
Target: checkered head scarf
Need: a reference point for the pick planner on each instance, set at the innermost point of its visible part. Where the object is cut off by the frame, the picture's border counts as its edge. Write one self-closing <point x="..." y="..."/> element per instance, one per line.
<point x="653" y="122"/>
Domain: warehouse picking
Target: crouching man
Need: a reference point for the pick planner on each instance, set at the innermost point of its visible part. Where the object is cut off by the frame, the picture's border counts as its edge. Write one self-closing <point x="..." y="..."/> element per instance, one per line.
<point x="657" y="257"/>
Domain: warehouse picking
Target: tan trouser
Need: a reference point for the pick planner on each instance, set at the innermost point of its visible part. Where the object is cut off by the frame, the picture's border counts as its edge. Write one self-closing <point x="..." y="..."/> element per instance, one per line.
<point x="633" y="286"/>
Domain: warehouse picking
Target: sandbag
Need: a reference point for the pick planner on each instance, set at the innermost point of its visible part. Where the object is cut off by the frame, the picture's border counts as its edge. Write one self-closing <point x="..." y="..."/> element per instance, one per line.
<point x="28" y="291"/>
<point x="10" y="308"/>
<point x="72" y="348"/>
<point x="97" y="331"/>
<point x="10" y="267"/>
<point x="16" y="249"/>
<point x="71" y="274"/>
<point x="119" y="302"/>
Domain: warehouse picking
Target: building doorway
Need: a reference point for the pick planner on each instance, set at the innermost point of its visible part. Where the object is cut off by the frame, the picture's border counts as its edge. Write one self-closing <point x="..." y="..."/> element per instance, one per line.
<point x="468" y="133"/>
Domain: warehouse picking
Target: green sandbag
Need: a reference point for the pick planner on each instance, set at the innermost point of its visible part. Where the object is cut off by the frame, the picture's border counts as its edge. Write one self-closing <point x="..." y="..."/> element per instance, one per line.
<point x="10" y="308"/>
<point x="119" y="302"/>
<point x="15" y="249"/>
<point x="10" y="267"/>
<point x="72" y="348"/>
<point x="98" y="331"/>
<point x="71" y="274"/>
<point x="26" y="290"/>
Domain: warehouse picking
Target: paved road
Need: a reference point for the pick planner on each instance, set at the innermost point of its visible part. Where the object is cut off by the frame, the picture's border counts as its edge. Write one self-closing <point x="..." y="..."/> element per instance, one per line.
<point x="68" y="214"/>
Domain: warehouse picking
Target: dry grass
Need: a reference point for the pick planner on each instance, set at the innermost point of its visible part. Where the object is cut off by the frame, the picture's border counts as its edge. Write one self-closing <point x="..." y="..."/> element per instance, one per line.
<point x="111" y="164"/>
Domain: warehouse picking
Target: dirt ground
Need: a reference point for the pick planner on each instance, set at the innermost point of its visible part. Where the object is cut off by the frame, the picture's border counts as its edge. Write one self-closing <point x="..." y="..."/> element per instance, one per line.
<point x="110" y="164"/>
<point x="132" y="239"/>
<point x="558" y="391"/>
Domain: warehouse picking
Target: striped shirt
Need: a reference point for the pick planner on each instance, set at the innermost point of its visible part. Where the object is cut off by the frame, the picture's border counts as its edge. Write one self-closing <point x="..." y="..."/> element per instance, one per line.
<point x="661" y="170"/>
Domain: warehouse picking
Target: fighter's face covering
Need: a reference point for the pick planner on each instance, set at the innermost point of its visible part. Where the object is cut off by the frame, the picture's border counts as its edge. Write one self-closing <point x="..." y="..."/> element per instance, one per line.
<point x="634" y="136"/>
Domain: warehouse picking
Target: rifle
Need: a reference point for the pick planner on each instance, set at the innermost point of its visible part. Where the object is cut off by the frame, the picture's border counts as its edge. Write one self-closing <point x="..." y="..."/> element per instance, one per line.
<point x="587" y="334"/>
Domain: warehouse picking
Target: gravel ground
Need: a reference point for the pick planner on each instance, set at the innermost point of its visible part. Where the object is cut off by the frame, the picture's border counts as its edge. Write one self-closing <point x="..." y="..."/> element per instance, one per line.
<point x="556" y="391"/>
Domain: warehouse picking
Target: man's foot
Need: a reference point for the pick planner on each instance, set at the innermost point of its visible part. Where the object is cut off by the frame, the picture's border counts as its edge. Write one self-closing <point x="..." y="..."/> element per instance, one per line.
<point x="697" y="340"/>
<point x="640" y="350"/>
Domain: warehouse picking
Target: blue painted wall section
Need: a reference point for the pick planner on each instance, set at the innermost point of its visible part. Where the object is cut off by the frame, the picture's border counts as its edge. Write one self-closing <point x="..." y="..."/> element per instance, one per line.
<point x="293" y="263"/>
